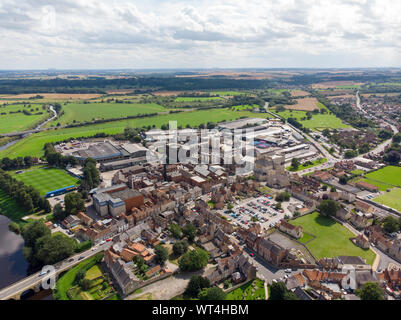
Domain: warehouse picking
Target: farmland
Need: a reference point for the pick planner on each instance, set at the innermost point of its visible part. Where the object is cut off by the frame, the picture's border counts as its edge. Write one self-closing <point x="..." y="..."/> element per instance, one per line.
<point x="33" y="145"/>
<point x="46" y="179"/>
<point x="92" y="111"/>
<point x="332" y="239"/>
<point x="193" y="99"/>
<point x="390" y="199"/>
<point x="317" y="122"/>
<point x="18" y="121"/>
<point x="305" y="104"/>
<point x="53" y="96"/>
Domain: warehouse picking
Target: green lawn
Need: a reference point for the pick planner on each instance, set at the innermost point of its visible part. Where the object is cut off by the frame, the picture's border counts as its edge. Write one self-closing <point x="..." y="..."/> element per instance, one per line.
<point x="303" y="167"/>
<point x="245" y="107"/>
<point x="318" y="121"/>
<point x="391" y="199"/>
<point x="11" y="122"/>
<point x="332" y="239"/>
<point x="46" y="179"/>
<point x="93" y="273"/>
<point x="245" y="291"/>
<point x="81" y="112"/>
<point x="10" y="209"/>
<point x="388" y="175"/>
<point x="33" y="145"/>
<point x="357" y="172"/>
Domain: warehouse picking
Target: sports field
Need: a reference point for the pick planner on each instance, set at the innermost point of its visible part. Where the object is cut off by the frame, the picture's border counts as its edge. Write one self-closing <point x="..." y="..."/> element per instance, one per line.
<point x="391" y="199"/>
<point x="388" y="175"/>
<point x="46" y="179"/>
<point x="81" y="112"/>
<point x="10" y="209"/>
<point x="33" y="145"/>
<point x="18" y="121"/>
<point x="332" y="239"/>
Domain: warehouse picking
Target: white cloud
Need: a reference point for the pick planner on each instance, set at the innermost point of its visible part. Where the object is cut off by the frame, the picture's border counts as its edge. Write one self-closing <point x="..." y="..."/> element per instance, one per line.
<point x="203" y="33"/>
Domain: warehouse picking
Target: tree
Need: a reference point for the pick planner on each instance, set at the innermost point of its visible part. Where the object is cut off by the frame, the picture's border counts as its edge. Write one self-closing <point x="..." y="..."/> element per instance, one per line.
<point x="54" y="249"/>
<point x="161" y="254"/>
<point x="214" y="293"/>
<point x="283" y="196"/>
<point x="34" y="231"/>
<point x="343" y="180"/>
<point x="370" y="291"/>
<point x="277" y="291"/>
<point x="74" y="203"/>
<point x="46" y="206"/>
<point x="58" y="212"/>
<point x="195" y="285"/>
<point x="80" y="275"/>
<point x="193" y="260"/>
<point x="180" y="247"/>
<point x="189" y="231"/>
<point x="390" y="224"/>
<point x="295" y="164"/>
<point x="175" y="230"/>
<point x="85" y="284"/>
<point x="328" y="207"/>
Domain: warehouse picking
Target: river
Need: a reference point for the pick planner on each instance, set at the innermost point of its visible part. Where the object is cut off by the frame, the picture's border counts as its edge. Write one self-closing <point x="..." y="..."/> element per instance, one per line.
<point x="13" y="266"/>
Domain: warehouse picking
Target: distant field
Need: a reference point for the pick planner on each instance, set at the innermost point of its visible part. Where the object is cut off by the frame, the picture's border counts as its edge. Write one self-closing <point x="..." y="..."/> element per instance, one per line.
<point x="10" y="209"/>
<point x="11" y="122"/>
<point x="55" y="96"/>
<point x="389" y="175"/>
<point x="33" y="145"/>
<point x="337" y="84"/>
<point x="81" y="112"/>
<point x="192" y="99"/>
<point x="332" y="239"/>
<point x="228" y="93"/>
<point x="299" y="93"/>
<point x="46" y="179"/>
<point x="318" y="121"/>
<point x="305" y="104"/>
<point x="391" y="199"/>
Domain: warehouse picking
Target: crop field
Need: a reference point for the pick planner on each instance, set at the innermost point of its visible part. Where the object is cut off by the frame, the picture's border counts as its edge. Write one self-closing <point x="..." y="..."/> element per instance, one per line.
<point x="317" y="122"/>
<point x="33" y="145"/>
<point x="387" y="175"/>
<point x="46" y="179"/>
<point x="11" y="122"/>
<point x="228" y="93"/>
<point x="193" y="99"/>
<point x="305" y="104"/>
<point x="391" y="199"/>
<point x="332" y="239"/>
<point x="299" y="93"/>
<point x="81" y="112"/>
<point x="337" y="84"/>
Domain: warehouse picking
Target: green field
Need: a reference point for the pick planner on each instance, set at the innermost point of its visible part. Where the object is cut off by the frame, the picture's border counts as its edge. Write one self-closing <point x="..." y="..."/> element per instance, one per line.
<point x="303" y="167"/>
<point x="332" y="239"/>
<point x="81" y="112"/>
<point x="387" y="175"/>
<point x="253" y="290"/>
<point x="10" y="209"/>
<point x="192" y="99"/>
<point x="245" y="107"/>
<point x="11" y="122"/>
<point x="33" y="145"/>
<point x="391" y="199"/>
<point x="318" y="121"/>
<point x="382" y="186"/>
<point x="228" y="93"/>
<point x="46" y="179"/>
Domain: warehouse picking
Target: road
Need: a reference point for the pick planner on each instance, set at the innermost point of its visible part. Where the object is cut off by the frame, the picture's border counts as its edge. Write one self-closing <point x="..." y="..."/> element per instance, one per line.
<point x="35" y="278"/>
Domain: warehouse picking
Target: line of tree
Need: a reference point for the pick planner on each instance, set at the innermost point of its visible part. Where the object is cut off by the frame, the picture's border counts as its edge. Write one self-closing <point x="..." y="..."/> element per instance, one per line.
<point x="91" y="177"/>
<point x="56" y="159"/>
<point x="25" y="196"/>
<point x="16" y="163"/>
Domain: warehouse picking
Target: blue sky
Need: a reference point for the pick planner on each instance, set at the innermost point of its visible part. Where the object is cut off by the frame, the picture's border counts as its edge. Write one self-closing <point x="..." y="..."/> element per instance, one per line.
<point x="109" y="34"/>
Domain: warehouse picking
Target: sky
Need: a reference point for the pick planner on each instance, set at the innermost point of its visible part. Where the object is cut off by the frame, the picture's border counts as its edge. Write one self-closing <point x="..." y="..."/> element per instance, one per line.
<point x="119" y="34"/>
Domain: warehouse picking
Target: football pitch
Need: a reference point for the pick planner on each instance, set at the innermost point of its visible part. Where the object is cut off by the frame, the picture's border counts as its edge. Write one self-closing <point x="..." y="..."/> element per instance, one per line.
<point x="46" y="179"/>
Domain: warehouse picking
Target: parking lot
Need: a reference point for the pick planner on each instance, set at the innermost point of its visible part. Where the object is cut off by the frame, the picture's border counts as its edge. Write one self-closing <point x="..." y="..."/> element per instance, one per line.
<point x="261" y="210"/>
